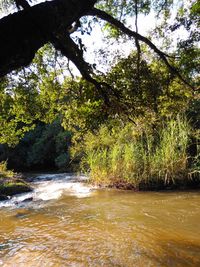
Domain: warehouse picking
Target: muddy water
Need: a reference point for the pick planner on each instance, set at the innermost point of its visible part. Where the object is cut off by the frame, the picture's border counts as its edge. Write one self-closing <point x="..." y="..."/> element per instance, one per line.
<point x="70" y="224"/>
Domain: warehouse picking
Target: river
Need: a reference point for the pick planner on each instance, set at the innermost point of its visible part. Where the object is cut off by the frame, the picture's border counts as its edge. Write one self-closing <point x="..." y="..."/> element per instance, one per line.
<point x="69" y="223"/>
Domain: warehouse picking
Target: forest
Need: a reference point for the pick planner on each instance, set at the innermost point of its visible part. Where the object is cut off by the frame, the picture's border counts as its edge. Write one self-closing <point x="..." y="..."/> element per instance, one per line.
<point x="99" y="133"/>
<point x="127" y="120"/>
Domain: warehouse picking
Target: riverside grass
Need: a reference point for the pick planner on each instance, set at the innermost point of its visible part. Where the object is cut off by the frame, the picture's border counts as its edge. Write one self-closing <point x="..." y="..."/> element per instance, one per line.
<point x="127" y="155"/>
<point x="4" y="172"/>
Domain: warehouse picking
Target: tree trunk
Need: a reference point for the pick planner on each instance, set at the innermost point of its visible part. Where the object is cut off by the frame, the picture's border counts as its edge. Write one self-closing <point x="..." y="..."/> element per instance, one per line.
<point x="24" y="32"/>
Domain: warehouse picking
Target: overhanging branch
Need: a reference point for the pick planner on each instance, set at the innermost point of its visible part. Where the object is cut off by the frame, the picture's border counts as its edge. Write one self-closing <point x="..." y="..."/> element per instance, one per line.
<point x="70" y="49"/>
<point x="163" y="56"/>
<point x="24" y="32"/>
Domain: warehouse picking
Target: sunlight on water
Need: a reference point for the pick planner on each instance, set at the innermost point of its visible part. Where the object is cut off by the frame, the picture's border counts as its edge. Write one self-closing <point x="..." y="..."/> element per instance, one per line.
<point x="57" y="185"/>
<point x="53" y="186"/>
<point x="71" y="224"/>
<point x="54" y="190"/>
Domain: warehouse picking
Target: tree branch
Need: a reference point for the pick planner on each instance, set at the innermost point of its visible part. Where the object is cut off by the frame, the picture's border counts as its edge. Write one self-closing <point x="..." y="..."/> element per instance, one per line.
<point x="70" y="49"/>
<point x="137" y="46"/>
<point x="24" y="32"/>
<point x="104" y="16"/>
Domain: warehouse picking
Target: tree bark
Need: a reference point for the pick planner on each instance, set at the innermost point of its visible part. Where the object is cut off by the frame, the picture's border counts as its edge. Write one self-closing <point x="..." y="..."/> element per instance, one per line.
<point x="24" y="32"/>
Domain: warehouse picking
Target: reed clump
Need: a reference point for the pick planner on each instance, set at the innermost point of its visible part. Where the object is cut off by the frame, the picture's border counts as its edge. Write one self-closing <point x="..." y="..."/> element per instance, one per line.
<point x="125" y="155"/>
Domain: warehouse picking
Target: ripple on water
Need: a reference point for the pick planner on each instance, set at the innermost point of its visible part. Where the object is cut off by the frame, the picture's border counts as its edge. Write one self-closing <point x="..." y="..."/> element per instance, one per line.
<point x="109" y="228"/>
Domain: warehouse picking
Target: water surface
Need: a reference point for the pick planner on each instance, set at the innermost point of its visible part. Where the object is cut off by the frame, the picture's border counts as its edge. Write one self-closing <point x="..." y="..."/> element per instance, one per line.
<point x="71" y="224"/>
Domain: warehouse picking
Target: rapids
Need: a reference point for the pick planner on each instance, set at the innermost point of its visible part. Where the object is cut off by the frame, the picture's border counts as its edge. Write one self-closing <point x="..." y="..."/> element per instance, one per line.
<point x="66" y="222"/>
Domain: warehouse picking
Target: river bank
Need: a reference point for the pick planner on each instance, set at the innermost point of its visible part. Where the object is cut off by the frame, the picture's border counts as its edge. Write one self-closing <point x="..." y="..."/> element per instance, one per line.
<point x="13" y="186"/>
<point x="18" y="184"/>
<point x="11" y="183"/>
<point x="182" y="184"/>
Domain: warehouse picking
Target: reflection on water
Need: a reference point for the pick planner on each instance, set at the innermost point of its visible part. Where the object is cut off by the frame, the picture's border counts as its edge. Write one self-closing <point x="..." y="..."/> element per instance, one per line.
<point x="103" y="228"/>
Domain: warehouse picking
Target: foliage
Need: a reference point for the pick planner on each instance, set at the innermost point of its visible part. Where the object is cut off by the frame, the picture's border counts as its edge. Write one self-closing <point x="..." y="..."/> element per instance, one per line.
<point x="127" y="128"/>
<point x="28" y="97"/>
<point x="147" y="99"/>
<point x="4" y="172"/>
<point x="127" y="155"/>
<point x="45" y="147"/>
<point x="137" y="85"/>
<point x="193" y="114"/>
<point x="128" y="13"/>
<point x="152" y="96"/>
<point x="121" y="9"/>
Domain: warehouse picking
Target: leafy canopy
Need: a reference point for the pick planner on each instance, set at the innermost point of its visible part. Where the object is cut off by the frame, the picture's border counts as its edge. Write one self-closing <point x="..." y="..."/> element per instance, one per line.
<point x="133" y="86"/>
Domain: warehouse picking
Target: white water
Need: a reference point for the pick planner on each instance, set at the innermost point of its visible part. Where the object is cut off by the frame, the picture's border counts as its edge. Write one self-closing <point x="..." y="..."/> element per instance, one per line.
<point x="49" y="187"/>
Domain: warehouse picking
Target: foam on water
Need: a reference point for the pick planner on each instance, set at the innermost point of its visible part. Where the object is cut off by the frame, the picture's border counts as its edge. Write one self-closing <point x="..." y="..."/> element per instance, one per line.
<point x="55" y="189"/>
<point x="52" y="186"/>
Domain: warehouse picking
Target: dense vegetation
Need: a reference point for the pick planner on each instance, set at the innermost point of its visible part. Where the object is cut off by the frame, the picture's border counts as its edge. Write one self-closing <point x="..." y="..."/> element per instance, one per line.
<point x="137" y="125"/>
<point x="154" y="145"/>
<point x="149" y="158"/>
<point x="43" y="148"/>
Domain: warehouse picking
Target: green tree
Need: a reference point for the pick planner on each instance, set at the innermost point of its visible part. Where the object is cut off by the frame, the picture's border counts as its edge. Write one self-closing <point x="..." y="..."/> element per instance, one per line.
<point x="53" y="21"/>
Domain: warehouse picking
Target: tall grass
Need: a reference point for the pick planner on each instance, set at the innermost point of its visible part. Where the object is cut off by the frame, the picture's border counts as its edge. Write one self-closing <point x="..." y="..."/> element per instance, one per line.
<point x="4" y="172"/>
<point x="131" y="156"/>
